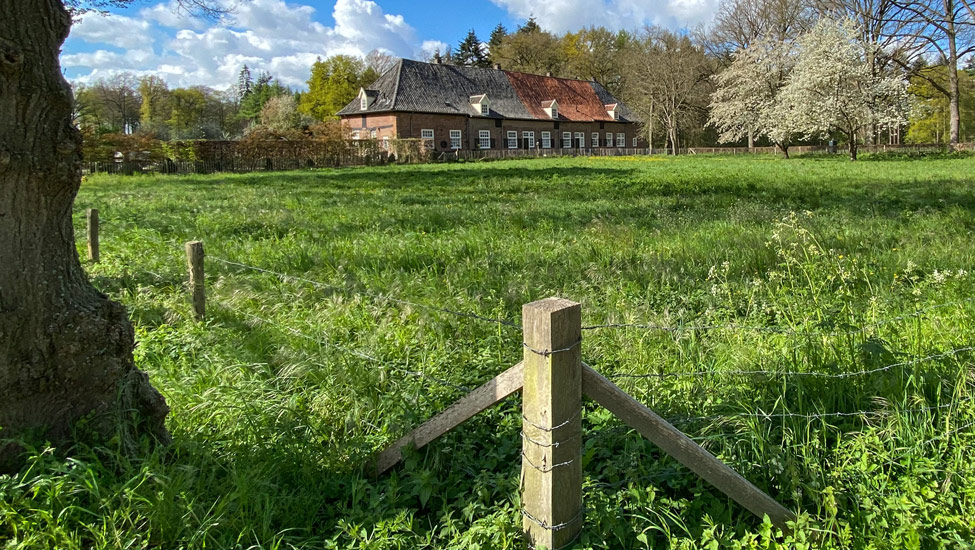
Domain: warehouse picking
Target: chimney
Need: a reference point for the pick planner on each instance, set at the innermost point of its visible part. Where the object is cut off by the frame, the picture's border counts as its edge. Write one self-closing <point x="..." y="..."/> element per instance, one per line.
<point x="548" y="73"/>
<point x="497" y="66"/>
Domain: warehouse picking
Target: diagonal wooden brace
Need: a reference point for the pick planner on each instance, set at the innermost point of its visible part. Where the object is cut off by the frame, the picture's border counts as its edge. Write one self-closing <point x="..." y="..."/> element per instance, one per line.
<point x="463" y="409"/>
<point x="673" y="442"/>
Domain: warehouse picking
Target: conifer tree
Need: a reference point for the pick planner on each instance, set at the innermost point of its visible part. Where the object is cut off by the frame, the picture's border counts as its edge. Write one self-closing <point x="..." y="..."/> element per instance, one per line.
<point x="470" y="52"/>
<point x="497" y="35"/>
<point x="244" y="84"/>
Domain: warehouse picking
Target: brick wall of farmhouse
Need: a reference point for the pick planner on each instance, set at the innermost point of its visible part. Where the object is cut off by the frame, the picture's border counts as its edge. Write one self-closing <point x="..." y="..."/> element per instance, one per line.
<point x="411" y="125"/>
<point x="364" y="125"/>
<point x="499" y="135"/>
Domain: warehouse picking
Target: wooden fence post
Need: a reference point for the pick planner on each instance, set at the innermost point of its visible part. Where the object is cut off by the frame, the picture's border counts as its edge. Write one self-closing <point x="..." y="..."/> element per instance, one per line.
<point x="92" y="216"/>
<point x="194" y="262"/>
<point x="551" y="468"/>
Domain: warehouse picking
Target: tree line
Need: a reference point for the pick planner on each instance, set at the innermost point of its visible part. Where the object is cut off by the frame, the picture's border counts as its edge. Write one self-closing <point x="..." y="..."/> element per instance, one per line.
<point x="126" y="104"/>
<point x="687" y="87"/>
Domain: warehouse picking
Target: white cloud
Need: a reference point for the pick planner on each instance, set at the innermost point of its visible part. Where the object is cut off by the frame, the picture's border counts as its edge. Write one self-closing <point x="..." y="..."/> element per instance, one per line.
<point x="170" y="14"/>
<point x="429" y="47"/>
<point x="569" y="15"/>
<point x="268" y="35"/>
<point x="112" y="29"/>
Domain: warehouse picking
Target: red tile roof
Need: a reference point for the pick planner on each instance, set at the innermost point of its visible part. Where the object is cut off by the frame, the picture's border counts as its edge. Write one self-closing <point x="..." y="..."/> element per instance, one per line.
<point x="577" y="99"/>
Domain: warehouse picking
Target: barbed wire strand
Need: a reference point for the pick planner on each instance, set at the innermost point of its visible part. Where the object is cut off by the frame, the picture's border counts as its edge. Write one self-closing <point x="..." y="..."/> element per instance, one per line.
<point x="775" y="330"/>
<point x="345" y="349"/>
<point x="841" y="375"/>
<point x="817" y="416"/>
<point x="514" y="325"/>
<point x="375" y="295"/>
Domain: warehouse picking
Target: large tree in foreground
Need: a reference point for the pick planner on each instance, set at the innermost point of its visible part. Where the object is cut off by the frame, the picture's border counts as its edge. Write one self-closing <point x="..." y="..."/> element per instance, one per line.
<point x="65" y="348"/>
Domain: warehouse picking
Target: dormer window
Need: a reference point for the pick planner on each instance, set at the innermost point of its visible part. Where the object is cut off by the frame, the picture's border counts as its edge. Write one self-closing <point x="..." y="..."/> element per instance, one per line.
<point x="613" y="110"/>
<point x="551" y="109"/>
<point x="366" y="98"/>
<point x="481" y="104"/>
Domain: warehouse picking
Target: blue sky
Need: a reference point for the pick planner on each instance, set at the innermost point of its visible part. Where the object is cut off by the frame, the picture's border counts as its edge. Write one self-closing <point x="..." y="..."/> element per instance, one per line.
<point x="284" y="37"/>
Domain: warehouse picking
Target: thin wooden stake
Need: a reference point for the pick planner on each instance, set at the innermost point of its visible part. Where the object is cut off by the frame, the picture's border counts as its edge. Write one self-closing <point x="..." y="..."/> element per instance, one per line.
<point x="92" y="216"/>
<point x="194" y="262"/>
<point x="551" y="468"/>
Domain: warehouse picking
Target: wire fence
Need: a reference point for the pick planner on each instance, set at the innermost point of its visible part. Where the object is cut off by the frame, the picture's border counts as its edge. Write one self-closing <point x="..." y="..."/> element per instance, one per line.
<point x="959" y="354"/>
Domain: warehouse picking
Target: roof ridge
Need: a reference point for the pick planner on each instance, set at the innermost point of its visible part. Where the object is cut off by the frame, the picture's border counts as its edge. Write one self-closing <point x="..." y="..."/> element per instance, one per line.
<point x="399" y="76"/>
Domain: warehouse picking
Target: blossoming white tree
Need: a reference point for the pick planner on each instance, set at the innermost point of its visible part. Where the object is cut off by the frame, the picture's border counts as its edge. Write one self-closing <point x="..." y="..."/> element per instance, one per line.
<point x="746" y="102"/>
<point x="832" y="87"/>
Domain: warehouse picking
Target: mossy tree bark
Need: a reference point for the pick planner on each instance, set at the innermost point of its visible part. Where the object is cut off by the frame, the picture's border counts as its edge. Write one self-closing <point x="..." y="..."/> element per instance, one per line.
<point x="65" y="348"/>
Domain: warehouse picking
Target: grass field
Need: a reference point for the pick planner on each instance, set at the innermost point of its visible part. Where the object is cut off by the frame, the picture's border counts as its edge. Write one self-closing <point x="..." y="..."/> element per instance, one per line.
<point x="818" y="311"/>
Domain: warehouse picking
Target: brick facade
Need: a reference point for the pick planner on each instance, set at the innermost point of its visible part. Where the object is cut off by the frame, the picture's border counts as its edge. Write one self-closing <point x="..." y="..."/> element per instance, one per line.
<point x="411" y="125"/>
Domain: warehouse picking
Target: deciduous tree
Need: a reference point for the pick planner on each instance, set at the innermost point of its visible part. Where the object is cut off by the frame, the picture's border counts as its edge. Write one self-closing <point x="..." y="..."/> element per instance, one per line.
<point x="334" y="82"/>
<point x="531" y="50"/>
<point x="155" y="104"/>
<point x="747" y="97"/>
<point x="669" y="82"/>
<point x="65" y="348"/>
<point x="832" y="86"/>
<point x="943" y="30"/>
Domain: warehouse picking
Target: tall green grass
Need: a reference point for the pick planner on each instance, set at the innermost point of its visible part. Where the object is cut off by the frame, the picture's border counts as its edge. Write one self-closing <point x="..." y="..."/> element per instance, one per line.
<point x="282" y="396"/>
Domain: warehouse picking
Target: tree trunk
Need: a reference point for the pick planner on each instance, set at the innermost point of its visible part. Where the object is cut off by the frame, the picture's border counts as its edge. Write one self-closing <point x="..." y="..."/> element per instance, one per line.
<point x="785" y="150"/>
<point x="65" y="349"/>
<point x="955" y="113"/>
<point x="853" y="145"/>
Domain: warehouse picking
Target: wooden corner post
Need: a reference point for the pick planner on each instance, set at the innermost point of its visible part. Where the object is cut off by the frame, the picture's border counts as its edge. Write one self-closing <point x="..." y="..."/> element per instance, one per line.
<point x="92" y="216"/>
<point x="194" y="262"/>
<point x="551" y="467"/>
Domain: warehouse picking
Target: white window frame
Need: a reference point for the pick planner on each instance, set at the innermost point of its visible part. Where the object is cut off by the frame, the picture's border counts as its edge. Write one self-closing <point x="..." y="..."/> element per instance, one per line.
<point x="609" y="139"/>
<point x="428" y="138"/>
<point x="566" y="140"/>
<point x="529" y="139"/>
<point x="546" y="140"/>
<point x="555" y="111"/>
<point x="485" y="109"/>
<point x="634" y="142"/>
<point x="580" y="140"/>
<point x="355" y="134"/>
<point x="594" y="139"/>
<point x="373" y="134"/>
<point x="620" y="139"/>
<point x="363" y="103"/>
<point x="456" y="139"/>
<point x="512" y="139"/>
<point x="484" y="143"/>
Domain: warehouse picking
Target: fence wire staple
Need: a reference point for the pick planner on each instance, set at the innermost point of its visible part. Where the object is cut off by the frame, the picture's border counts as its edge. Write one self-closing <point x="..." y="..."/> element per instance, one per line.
<point x="558" y="527"/>
<point x="547" y="353"/>
<point x="543" y="469"/>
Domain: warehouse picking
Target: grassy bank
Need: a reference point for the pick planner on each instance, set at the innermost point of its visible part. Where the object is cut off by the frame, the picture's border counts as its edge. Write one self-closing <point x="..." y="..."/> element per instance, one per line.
<point x="805" y="320"/>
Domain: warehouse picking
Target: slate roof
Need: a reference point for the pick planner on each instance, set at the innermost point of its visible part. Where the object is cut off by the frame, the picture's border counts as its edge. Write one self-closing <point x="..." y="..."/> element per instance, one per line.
<point x="413" y="86"/>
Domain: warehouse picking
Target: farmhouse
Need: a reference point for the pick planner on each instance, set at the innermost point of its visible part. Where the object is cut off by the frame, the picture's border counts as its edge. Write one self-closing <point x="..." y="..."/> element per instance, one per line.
<point x="465" y="108"/>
